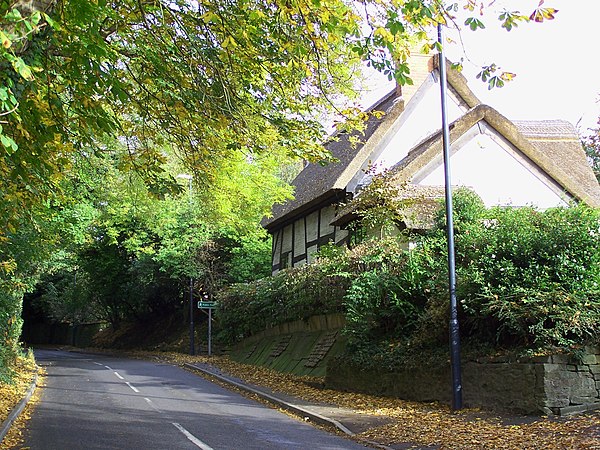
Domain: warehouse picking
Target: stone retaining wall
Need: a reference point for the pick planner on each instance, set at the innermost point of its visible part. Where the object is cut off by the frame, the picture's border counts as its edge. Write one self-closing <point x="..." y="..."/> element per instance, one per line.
<point x="314" y="323"/>
<point x="557" y="384"/>
<point x="303" y="347"/>
<point x="80" y="335"/>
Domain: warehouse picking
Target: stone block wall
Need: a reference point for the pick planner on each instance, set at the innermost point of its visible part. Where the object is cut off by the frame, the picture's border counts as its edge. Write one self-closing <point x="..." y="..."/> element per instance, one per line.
<point x="570" y="385"/>
<point x="557" y="384"/>
<point x="323" y="322"/>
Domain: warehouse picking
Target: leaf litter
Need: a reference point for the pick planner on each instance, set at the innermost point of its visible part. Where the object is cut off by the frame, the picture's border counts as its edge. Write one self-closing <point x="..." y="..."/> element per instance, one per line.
<point x="418" y="425"/>
<point x="12" y="393"/>
<point x="411" y="424"/>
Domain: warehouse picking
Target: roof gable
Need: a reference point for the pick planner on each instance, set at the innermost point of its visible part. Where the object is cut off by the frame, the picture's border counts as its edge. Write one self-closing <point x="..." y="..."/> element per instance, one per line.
<point x="488" y="164"/>
<point x="553" y="148"/>
<point x="317" y="183"/>
<point x="420" y="118"/>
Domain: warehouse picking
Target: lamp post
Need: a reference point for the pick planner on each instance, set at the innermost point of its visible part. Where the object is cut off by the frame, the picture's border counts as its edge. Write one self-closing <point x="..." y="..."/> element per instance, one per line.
<point x="192" y="348"/>
<point x="454" y="328"/>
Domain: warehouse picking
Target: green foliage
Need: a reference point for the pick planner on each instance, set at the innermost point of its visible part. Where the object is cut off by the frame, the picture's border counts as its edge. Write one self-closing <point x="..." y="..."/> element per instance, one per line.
<point x="293" y="294"/>
<point x="488" y="75"/>
<point x="474" y="23"/>
<point x="377" y="206"/>
<point x="511" y="19"/>
<point x="532" y="277"/>
<point x="231" y="81"/>
<point x="127" y="255"/>
<point x="10" y="327"/>
<point x="231" y="88"/>
<point x="214" y="80"/>
<point x="21" y="263"/>
<point x="467" y="211"/>
<point x="527" y="279"/>
<point x="251" y="260"/>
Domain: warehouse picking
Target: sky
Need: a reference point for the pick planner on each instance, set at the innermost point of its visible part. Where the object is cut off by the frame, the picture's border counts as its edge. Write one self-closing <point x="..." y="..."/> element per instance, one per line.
<point x="557" y="62"/>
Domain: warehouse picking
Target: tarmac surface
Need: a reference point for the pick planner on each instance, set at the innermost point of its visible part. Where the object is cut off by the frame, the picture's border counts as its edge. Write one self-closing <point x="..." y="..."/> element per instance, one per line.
<point x="344" y="420"/>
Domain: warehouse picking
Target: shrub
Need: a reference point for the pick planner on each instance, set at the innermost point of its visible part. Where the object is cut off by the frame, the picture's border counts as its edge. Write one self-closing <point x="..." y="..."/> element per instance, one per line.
<point x="10" y="328"/>
<point x="526" y="275"/>
<point x="292" y="294"/>
<point x="525" y="279"/>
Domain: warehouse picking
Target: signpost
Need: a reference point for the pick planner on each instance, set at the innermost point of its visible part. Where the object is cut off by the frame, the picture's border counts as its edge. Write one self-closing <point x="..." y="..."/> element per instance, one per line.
<point x="206" y="305"/>
<point x="210" y="306"/>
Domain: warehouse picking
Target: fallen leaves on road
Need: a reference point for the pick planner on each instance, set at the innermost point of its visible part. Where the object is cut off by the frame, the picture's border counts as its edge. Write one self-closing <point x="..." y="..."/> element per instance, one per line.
<point x="12" y="393"/>
<point x="470" y="429"/>
<point x="419" y="425"/>
<point x="14" y="438"/>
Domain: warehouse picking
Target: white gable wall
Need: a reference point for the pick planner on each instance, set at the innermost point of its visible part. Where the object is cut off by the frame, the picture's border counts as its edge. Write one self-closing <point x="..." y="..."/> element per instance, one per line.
<point x="500" y="174"/>
<point x="420" y="119"/>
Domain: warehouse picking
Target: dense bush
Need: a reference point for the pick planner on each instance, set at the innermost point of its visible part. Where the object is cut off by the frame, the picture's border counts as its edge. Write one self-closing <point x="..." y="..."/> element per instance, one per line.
<point x="526" y="279"/>
<point x="532" y="278"/>
<point x="293" y="294"/>
<point x="389" y="289"/>
<point x="10" y="329"/>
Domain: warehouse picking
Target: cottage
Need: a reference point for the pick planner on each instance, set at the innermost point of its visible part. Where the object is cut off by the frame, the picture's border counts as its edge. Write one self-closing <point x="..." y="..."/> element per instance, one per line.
<point x="516" y="163"/>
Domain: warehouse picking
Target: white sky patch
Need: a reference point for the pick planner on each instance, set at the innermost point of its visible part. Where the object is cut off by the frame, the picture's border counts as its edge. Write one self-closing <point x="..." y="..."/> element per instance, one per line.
<point x="555" y="62"/>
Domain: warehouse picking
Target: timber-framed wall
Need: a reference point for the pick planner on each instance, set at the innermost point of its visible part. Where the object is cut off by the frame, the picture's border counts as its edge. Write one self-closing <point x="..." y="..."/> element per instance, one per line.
<point x="296" y="243"/>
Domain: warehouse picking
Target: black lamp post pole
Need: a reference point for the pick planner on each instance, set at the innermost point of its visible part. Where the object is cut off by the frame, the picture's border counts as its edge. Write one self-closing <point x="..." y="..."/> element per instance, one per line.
<point x="454" y="328"/>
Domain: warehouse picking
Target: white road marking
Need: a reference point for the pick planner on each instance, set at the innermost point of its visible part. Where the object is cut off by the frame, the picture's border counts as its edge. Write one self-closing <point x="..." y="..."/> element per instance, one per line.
<point x="197" y="442"/>
<point x="132" y="387"/>
<point x="98" y="364"/>
<point x="151" y="403"/>
<point x="119" y="376"/>
<point x="109" y="368"/>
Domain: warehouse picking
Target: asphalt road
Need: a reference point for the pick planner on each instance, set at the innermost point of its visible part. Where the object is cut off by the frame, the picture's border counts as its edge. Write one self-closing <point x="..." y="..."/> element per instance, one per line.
<point x="100" y="402"/>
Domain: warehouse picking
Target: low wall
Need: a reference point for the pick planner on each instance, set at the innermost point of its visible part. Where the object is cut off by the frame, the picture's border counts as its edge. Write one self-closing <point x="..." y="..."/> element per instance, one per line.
<point x="302" y="347"/>
<point x="79" y="335"/>
<point x="314" y="323"/>
<point x="556" y="384"/>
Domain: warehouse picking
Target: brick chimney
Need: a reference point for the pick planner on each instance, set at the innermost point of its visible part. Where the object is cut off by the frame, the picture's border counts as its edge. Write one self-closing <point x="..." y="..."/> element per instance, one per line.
<point x="420" y="66"/>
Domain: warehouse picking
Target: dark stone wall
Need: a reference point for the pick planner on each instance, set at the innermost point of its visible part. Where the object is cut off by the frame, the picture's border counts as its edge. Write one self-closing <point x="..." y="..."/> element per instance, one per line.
<point x="80" y="335"/>
<point x="557" y="384"/>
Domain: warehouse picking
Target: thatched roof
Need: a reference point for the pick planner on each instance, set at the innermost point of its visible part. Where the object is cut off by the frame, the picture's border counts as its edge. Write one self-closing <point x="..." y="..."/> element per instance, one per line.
<point x="551" y="145"/>
<point x="317" y="183"/>
<point x="558" y="140"/>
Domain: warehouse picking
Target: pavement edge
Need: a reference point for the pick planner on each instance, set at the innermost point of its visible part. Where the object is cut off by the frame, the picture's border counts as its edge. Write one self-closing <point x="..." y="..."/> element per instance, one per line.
<point x="318" y="418"/>
<point x="17" y="410"/>
<point x="289" y="406"/>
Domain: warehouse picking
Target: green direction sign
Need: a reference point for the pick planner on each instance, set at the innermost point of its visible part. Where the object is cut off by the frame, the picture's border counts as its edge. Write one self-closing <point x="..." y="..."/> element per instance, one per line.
<point x="206" y="305"/>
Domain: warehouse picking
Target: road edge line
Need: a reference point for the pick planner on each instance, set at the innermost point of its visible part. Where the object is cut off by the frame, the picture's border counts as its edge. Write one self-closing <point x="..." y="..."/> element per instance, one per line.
<point x="17" y="410"/>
